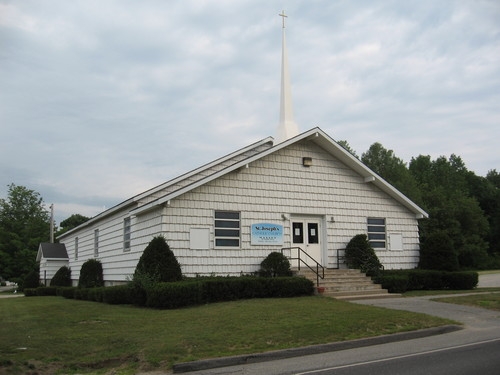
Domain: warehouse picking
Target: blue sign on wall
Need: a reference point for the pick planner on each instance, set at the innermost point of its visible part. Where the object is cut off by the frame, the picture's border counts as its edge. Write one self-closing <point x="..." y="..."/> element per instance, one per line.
<point x="267" y="234"/>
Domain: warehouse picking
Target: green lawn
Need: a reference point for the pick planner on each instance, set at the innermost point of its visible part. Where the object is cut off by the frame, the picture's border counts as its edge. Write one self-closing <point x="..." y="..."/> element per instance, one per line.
<point x="420" y="293"/>
<point x="49" y="334"/>
<point x="487" y="301"/>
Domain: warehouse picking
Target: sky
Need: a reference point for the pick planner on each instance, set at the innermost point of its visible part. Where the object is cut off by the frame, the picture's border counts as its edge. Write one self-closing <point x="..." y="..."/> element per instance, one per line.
<point x="102" y="100"/>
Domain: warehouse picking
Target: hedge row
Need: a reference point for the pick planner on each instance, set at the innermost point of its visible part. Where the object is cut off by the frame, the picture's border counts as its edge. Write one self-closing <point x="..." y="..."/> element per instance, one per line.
<point x="40" y="291"/>
<point x="400" y="281"/>
<point x="171" y="295"/>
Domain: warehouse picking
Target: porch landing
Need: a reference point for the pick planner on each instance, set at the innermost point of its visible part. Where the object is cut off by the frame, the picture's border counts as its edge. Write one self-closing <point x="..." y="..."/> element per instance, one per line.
<point x="347" y="284"/>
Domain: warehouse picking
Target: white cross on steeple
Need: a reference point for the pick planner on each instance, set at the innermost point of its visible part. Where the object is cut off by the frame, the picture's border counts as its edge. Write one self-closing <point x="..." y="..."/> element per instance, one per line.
<point x="283" y="15"/>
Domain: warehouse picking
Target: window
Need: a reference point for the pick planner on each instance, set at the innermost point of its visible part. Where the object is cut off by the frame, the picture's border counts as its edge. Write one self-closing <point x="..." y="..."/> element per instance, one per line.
<point x="126" y="234"/>
<point x="76" y="248"/>
<point x="96" y="243"/>
<point x="376" y="233"/>
<point x="227" y="229"/>
<point x="298" y="232"/>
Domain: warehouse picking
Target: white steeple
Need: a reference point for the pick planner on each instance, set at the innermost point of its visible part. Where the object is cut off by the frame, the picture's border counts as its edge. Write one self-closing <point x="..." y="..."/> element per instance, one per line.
<point x="287" y="127"/>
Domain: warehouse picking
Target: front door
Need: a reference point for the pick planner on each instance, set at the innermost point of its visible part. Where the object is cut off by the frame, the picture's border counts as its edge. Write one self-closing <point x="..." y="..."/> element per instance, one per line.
<point x="306" y="235"/>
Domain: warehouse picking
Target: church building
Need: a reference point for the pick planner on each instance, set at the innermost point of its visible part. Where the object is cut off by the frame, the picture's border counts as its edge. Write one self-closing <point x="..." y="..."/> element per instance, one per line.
<point x="301" y="193"/>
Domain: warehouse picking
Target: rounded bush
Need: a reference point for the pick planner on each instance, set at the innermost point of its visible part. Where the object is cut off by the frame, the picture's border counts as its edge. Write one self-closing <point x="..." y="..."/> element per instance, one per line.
<point x="158" y="263"/>
<point x="32" y="280"/>
<point x="62" y="277"/>
<point x="91" y="275"/>
<point x="274" y="265"/>
<point x="360" y="255"/>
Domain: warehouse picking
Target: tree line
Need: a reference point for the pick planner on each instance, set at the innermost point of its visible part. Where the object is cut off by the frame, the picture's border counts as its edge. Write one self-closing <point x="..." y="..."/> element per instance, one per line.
<point x="464" y="210"/>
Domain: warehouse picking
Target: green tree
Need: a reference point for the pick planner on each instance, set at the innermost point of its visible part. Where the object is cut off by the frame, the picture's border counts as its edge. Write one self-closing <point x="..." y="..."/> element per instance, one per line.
<point x="348" y="148"/>
<point x="494" y="177"/>
<point x="392" y="169"/>
<point x="71" y="222"/>
<point x="487" y="192"/>
<point x="24" y="223"/>
<point x="449" y="194"/>
<point x="437" y="253"/>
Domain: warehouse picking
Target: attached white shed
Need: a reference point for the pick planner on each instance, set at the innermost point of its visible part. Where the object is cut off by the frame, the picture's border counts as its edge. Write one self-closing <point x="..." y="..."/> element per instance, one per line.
<point x="51" y="257"/>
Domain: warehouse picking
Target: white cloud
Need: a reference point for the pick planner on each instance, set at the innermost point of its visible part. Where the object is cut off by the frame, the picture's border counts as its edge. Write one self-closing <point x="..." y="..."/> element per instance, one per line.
<point x="102" y="100"/>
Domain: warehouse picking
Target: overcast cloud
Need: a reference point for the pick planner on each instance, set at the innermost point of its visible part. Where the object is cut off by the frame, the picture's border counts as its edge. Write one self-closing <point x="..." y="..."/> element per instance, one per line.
<point x="101" y="100"/>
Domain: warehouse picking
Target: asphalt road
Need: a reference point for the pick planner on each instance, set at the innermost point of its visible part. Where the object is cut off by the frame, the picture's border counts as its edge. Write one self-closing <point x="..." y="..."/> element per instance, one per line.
<point x="472" y="350"/>
<point x="477" y="358"/>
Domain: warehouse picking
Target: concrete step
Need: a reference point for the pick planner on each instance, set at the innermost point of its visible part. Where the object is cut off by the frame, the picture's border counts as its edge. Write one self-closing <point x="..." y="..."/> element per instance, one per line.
<point x="367" y="296"/>
<point x="347" y="284"/>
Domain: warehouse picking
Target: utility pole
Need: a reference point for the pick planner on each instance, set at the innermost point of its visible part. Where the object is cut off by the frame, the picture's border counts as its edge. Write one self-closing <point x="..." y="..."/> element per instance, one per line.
<point x="52" y="223"/>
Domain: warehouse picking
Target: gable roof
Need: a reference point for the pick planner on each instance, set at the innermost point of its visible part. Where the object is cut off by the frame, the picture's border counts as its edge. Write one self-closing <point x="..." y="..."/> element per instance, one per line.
<point x="315" y="135"/>
<point x="182" y="180"/>
<point x="51" y="251"/>
<point x="241" y="158"/>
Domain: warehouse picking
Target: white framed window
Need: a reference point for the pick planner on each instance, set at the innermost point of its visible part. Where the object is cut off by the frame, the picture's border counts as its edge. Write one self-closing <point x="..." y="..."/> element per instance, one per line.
<point x="126" y="234"/>
<point x="76" y="248"/>
<point x="96" y="243"/>
<point x="376" y="233"/>
<point x="227" y="229"/>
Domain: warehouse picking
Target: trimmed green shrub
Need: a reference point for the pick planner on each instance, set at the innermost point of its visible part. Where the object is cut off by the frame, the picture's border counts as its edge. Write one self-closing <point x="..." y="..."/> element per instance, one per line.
<point x="195" y="292"/>
<point x="46" y="291"/>
<point x="461" y="280"/>
<point x="396" y="280"/>
<point x="81" y="293"/>
<point x="437" y="253"/>
<point x="426" y="280"/>
<point x="360" y="255"/>
<point x="393" y="283"/>
<point x="62" y="277"/>
<point x="288" y="287"/>
<point x="66" y="292"/>
<point x="32" y="280"/>
<point x="91" y="275"/>
<point x="158" y="263"/>
<point x="30" y="292"/>
<point x="173" y="295"/>
<point x="274" y="265"/>
<point x="118" y="295"/>
<point x="95" y="294"/>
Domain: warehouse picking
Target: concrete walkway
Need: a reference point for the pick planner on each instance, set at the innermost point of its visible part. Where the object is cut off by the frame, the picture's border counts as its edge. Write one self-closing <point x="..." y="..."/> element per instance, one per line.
<point x="472" y="317"/>
<point x="9" y="292"/>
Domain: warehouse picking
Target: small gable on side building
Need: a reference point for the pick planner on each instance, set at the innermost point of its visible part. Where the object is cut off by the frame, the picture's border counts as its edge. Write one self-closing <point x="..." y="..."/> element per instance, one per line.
<point x="51" y="257"/>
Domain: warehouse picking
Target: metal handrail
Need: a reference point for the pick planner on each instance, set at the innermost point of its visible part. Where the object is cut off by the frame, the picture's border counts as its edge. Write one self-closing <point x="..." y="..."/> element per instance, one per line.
<point x="300" y="260"/>
<point x="340" y="258"/>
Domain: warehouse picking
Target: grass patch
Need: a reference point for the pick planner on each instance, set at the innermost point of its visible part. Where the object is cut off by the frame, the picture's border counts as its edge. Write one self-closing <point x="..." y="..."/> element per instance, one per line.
<point x="55" y="335"/>
<point x="423" y="293"/>
<point x="486" y="301"/>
